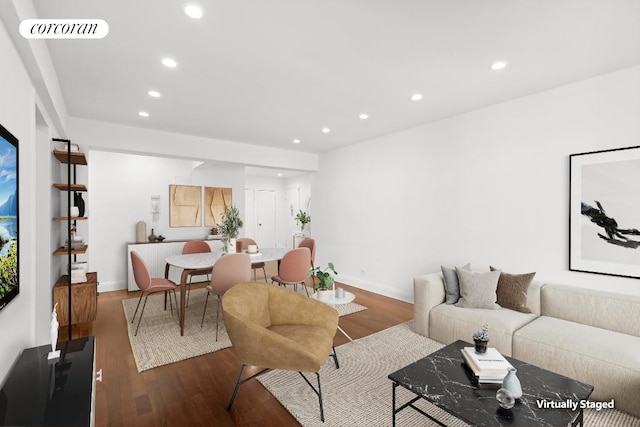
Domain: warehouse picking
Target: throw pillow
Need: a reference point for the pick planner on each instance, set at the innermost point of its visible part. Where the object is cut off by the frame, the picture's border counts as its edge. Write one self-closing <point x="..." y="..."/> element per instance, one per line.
<point x="478" y="290"/>
<point x="451" y="285"/>
<point x="512" y="290"/>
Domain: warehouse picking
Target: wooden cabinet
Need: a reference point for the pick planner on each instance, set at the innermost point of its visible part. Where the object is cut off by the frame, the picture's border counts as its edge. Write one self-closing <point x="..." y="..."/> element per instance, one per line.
<point x="81" y="298"/>
<point x="84" y="298"/>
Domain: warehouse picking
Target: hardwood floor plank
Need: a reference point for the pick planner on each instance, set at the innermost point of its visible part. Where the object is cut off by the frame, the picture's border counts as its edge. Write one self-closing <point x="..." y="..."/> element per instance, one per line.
<point x="195" y="392"/>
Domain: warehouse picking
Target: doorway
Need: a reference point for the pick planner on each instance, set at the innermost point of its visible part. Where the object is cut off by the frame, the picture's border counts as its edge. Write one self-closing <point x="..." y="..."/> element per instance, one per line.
<point x="260" y="216"/>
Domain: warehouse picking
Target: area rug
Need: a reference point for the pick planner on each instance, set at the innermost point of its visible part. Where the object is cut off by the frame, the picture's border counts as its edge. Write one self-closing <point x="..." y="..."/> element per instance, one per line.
<point x="359" y="393"/>
<point x="159" y="342"/>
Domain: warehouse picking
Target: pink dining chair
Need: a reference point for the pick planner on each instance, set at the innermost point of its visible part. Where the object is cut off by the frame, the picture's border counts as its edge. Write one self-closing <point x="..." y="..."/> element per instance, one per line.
<point x="196" y="247"/>
<point x="149" y="285"/>
<point x="227" y="272"/>
<point x="245" y="242"/>
<point x="293" y="269"/>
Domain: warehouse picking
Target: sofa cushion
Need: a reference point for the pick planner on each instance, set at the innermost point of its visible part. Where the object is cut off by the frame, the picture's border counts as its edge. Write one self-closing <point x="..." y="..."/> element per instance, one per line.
<point x="607" y="310"/>
<point x="512" y="290"/>
<point x="478" y="290"/>
<point x="448" y="323"/>
<point x="451" y="283"/>
<point x="610" y="361"/>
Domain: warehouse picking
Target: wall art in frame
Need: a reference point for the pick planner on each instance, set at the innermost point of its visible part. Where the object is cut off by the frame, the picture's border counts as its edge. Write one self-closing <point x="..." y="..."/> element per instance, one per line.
<point x="185" y="206"/>
<point x="216" y="199"/>
<point x="604" y="212"/>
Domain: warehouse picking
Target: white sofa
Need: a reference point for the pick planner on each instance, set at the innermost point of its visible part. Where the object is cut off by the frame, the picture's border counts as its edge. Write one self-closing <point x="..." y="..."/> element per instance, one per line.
<point x="591" y="336"/>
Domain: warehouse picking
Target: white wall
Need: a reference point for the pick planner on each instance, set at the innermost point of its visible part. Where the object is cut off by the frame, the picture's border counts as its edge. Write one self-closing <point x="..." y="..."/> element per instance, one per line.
<point x="17" y="114"/>
<point x="120" y="189"/>
<point x="489" y="187"/>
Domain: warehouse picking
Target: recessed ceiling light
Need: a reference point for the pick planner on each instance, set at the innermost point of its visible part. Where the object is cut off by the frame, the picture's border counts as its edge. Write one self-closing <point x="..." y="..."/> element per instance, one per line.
<point x="143" y="114"/>
<point x="154" y="93"/>
<point x="168" y="62"/>
<point x="296" y="141"/>
<point x="499" y="65"/>
<point x="363" y="116"/>
<point x="416" y="97"/>
<point x="279" y="173"/>
<point x="326" y="130"/>
<point x="193" y="11"/>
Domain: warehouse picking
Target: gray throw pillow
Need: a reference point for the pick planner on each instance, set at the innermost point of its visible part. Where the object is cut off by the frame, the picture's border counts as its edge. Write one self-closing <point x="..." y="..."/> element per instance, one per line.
<point x="478" y="290"/>
<point x="451" y="286"/>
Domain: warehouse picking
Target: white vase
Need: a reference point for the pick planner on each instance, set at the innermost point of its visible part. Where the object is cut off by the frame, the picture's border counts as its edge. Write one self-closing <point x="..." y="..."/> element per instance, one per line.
<point x="512" y="383"/>
<point x="231" y="246"/>
<point x="324" y="295"/>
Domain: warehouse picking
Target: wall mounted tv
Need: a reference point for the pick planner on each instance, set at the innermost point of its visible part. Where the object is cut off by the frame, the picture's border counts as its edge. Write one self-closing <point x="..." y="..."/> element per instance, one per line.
<point x="9" y="276"/>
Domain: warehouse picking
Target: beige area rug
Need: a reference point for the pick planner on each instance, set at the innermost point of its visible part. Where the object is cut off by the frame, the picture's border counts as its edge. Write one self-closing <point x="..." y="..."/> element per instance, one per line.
<point x="159" y="342"/>
<point x="359" y="393"/>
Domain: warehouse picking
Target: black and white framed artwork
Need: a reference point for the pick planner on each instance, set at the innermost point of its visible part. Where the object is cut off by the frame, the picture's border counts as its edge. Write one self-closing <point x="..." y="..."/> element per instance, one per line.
<point x="604" y="212"/>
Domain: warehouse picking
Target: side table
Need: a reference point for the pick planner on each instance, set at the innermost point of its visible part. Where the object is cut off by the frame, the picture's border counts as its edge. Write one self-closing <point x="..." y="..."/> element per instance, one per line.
<point x="333" y="301"/>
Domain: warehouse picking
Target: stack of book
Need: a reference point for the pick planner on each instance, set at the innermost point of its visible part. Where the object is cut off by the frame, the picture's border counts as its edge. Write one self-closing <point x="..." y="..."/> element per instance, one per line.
<point x="75" y="244"/>
<point x="489" y="367"/>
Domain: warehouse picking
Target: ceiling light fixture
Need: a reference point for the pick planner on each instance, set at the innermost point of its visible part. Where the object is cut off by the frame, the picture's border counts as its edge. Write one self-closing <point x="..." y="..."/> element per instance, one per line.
<point x="499" y="65"/>
<point x="143" y="114"/>
<point x="296" y="141"/>
<point x="154" y="93"/>
<point x="416" y="97"/>
<point x="193" y="11"/>
<point x="279" y="173"/>
<point x="363" y="116"/>
<point x="326" y="130"/>
<point x="168" y="62"/>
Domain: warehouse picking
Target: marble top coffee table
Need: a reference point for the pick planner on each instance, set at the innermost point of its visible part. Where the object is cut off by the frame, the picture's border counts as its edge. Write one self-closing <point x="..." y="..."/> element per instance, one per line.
<point x="442" y="379"/>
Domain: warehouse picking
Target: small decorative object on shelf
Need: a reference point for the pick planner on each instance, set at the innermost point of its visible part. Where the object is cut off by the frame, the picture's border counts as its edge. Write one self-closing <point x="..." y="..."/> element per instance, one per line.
<point x="302" y="218"/>
<point x="160" y="238"/>
<point x="481" y="339"/>
<point x="512" y="383"/>
<point x="505" y="398"/>
<point x="152" y="236"/>
<point x="54" y="354"/>
<point x="141" y="232"/>
<point x="325" y="281"/>
<point x="78" y="201"/>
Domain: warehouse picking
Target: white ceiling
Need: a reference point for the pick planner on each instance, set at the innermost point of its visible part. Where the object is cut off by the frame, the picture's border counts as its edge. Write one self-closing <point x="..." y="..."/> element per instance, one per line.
<point x="268" y="71"/>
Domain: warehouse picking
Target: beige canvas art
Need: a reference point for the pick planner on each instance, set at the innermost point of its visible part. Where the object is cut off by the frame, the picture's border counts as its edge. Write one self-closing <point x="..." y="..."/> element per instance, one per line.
<point x="185" y="208"/>
<point x="215" y="200"/>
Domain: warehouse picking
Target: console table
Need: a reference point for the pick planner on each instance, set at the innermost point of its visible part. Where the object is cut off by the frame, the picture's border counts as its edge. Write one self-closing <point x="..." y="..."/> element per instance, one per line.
<point x="59" y="392"/>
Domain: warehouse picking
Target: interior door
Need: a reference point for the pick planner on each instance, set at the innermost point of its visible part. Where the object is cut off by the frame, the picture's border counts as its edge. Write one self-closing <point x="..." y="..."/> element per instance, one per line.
<point x="249" y="227"/>
<point x="265" y="218"/>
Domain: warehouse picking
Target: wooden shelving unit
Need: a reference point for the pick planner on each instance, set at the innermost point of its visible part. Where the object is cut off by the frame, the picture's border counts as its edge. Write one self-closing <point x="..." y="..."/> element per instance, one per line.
<point x="77" y="302"/>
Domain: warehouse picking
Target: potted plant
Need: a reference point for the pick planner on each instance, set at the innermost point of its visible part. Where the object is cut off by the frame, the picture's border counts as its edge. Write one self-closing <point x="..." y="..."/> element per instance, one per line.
<point x="324" y="286"/>
<point x="481" y="338"/>
<point x="230" y="228"/>
<point x="303" y="218"/>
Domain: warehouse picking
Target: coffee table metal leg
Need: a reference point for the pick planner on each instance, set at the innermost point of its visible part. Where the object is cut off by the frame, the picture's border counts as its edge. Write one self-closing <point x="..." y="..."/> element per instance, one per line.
<point x="579" y="421"/>
<point x="393" y="404"/>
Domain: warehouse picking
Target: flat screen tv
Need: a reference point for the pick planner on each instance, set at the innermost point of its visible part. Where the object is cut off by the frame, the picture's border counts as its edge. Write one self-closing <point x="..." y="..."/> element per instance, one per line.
<point x="9" y="276"/>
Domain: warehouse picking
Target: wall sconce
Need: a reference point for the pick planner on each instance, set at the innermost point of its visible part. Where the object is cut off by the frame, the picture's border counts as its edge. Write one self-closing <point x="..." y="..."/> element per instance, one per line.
<point x="155" y="208"/>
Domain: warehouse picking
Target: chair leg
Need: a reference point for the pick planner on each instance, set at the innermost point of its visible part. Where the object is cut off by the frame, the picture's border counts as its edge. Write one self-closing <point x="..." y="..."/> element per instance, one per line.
<point x="205" y="309"/>
<point x="264" y="271"/>
<point x="335" y="357"/>
<point x="188" y="290"/>
<point x="141" y="313"/>
<point x="217" y="315"/>
<point x="306" y="289"/>
<point x="318" y="392"/>
<point x="137" y="306"/>
<point x="235" y="388"/>
<point x="175" y="299"/>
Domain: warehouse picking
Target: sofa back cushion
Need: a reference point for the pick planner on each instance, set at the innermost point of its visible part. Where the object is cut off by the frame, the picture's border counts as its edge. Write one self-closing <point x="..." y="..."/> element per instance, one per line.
<point x="606" y="310"/>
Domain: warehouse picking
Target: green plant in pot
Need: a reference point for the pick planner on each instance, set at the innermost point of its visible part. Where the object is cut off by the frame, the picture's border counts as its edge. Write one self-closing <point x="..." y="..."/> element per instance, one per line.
<point x="230" y="228"/>
<point x="324" y="284"/>
<point x="303" y="219"/>
<point x="481" y="339"/>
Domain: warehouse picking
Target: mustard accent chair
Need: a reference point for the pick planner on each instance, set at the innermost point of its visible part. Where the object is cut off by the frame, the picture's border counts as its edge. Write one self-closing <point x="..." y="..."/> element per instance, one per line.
<point x="275" y="328"/>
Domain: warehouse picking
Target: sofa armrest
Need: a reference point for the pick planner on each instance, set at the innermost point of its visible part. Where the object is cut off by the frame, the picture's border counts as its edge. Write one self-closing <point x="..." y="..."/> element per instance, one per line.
<point x="428" y="292"/>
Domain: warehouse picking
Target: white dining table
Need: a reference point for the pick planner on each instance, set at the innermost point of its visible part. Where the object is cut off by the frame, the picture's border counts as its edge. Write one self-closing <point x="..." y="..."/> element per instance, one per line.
<point x="198" y="261"/>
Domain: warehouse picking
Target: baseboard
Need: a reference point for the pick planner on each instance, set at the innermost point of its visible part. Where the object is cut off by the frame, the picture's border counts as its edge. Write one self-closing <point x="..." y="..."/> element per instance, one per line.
<point x="111" y="286"/>
<point x="377" y="288"/>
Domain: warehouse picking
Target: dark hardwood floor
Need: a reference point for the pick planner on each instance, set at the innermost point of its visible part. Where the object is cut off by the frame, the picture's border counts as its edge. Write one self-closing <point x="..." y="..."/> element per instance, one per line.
<point x="195" y="392"/>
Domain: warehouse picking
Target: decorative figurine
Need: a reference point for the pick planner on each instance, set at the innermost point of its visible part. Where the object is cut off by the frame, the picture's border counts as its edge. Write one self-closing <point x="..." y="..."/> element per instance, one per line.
<point x="54" y="354"/>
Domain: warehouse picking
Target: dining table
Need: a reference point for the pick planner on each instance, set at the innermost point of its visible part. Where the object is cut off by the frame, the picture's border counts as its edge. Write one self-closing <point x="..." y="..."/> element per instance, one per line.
<point x="197" y="261"/>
